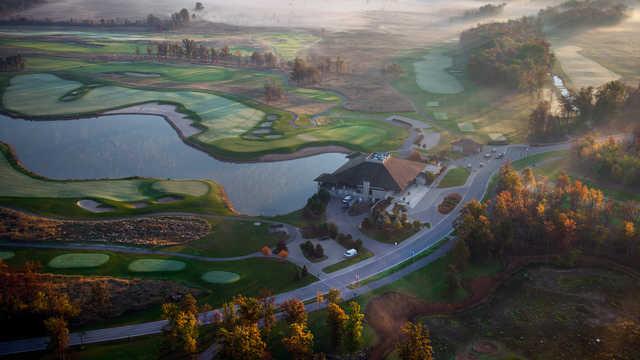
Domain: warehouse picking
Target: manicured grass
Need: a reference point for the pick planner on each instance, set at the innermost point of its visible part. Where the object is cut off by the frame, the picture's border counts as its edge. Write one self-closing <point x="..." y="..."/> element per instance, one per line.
<point x="431" y="74"/>
<point x="362" y="255"/>
<point x="89" y="47"/>
<point x="319" y="95"/>
<point x="19" y="188"/>
<point x="156" y="265"/>
<point x="6" y="255"/>
<point x="79" y="260"/>
<point x="534" y="159"/>
<point x="490" y="109"/>
<point x="454" y="177"/>
<point x="40" y="94"/>
<point x="385" y="237"/>
<point x="231" y="238"/>
<point x="220" y="277"/>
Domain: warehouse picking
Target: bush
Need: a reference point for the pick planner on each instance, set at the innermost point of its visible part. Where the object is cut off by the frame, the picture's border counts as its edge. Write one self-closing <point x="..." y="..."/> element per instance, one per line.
<point x="316" y="205"/>
<point x="449" y="203"/>
<point x="312" y="252"/>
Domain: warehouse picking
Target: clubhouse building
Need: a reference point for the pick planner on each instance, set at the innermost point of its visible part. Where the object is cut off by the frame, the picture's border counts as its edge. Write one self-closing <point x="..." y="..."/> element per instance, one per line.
<point x="374" y="176"/>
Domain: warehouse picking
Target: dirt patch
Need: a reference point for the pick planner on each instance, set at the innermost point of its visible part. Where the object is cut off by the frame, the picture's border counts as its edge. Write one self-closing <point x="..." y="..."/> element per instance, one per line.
<point x="156" y="231"/>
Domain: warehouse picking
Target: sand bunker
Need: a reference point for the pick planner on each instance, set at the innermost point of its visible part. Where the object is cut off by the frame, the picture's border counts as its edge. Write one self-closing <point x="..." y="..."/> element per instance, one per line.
<point x="94" y="206"/>
<point x="178" y="120"/>
<point x="431" y="74"/>
<point x="168" y="199"/>
<point x="582" y="70"/>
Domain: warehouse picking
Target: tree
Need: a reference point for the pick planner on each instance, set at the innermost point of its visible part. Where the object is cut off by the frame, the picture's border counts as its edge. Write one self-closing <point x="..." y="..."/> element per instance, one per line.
<point x="454" y="281"/>
<point x="242" y="342"/>
<point x="294" y="311"/>
<point x="199" y="6"/>
<point x="58" y="336"/>
<point x="474" y="228"/>
<point x="249" y="309"/>
<point x="609" y="99"/>
<point x="299" y="343"/>
<point x="336" y="320"/>
<point x="461" y="255"/>
<point x="268" y="310"/>
<point x="101" y="297"/>
<point x="416" y="344"/>
<point x="333" y="296"/>
<point x="353" y="328"/>
<point x="182" y="327"/>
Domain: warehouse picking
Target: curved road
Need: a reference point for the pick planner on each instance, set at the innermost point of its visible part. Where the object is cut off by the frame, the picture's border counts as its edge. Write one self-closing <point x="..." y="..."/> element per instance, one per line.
<point x="423" y="240"/>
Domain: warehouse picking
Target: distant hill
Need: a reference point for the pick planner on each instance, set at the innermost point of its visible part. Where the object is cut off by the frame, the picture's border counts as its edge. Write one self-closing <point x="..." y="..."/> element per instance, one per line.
<point x="11" y="6"/>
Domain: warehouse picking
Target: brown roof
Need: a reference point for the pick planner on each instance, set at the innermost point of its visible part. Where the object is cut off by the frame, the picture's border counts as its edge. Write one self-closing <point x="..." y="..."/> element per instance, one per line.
<point x="393" y="174"/>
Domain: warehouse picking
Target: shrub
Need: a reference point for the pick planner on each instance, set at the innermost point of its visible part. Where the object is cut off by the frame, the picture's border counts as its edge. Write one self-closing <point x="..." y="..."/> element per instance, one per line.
<point x="449" y="203"/>
<point x="266" y="251"/>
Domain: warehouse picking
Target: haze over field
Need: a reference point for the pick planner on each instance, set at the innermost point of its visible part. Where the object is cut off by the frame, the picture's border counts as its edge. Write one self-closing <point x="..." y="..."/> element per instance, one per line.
<point x="331" y="14"/>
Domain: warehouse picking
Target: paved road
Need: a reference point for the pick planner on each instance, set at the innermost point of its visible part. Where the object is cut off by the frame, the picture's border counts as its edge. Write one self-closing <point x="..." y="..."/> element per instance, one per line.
<point x="423" y="240"/>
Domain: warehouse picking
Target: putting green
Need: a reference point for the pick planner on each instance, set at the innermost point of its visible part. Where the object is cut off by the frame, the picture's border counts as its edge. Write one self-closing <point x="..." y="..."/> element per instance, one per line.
<point x="41" y="94"/>
<point x="220" y="277"/>
<point x="156" y="265"/>
<point x="5" y="255"/>
<point x="441" y="116"/>
<point x="431" y="74"/>
<point x="78" y="260"/>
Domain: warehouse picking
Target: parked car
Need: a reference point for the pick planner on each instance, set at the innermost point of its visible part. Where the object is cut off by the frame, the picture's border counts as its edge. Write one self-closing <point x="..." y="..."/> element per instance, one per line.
<point x="481" y="164"/>
<point x="500" y="155"/>
<point x="487" y="156"/>
<point x="350" y="253"/>
<point x="347" y="201"/>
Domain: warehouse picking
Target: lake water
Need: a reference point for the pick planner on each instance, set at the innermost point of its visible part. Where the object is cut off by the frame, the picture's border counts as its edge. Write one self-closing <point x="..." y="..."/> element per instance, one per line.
<point x="145" y="145"/>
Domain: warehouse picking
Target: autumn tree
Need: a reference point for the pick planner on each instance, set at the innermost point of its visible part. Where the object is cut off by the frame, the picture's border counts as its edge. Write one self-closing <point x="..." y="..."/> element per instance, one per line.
<point x="242" y="342"/>
<point x="416" y="343"/>
<point x="474" y="228"/>
<point x="353" y="328"/>
<point x="333" y="296"/>
<point x="294" y="311"/>
<point x="268" y="310"/>
<point x="336" y="321"/>
<point x="58" y="336"/>
<point x="299" y="342"/>
<point x="182" y="327"/>
<point x="249" y="309"/>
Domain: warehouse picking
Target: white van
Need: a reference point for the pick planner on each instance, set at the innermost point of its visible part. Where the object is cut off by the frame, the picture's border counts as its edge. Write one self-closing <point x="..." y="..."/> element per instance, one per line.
<point x="350" y="253"/>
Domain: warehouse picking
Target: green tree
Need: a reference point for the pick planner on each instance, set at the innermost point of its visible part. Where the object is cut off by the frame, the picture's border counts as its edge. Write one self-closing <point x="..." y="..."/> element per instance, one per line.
<point x="242" y="342"/>
<point x="461" y="255"/>
<point x="415" y="344"/>
<point x="336" y="320"/>
<point x="58" y="336"/>
<point x="353" y="328"/>
<point x="299" y="343"/>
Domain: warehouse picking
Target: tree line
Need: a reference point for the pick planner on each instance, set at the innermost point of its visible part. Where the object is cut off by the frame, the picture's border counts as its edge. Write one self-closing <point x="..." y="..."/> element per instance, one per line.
<point x="311" y="72"/>
<point x="246" y="329"/>
<point x="587" y="108"/>
<point x="514" y="54"/>
<point x="483" y="11"/>
<point x="12" y="63"/>
<point x="617" y="161"/>
<point x="576" y="13"/>
<point x="535" y="217"/>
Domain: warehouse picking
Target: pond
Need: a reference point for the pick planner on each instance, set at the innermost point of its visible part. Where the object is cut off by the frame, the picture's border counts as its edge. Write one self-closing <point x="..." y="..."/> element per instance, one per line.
<point x="145" y="145"/>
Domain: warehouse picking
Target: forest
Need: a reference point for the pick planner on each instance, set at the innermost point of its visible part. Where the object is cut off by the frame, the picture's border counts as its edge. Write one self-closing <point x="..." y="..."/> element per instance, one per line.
<point x="513" y="54"/>
<point x="483" y="11"/>
<point x="617" y="161"/>
<point x="576" y="13"/>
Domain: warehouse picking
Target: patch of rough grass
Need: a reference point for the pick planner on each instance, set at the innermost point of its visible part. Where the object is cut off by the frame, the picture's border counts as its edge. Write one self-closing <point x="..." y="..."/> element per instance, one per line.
<point x="220" y="277"/>
<point x="183" y="187"/>
<point x="454" y="177"/>
<point x="431" y="74"/>
<point x="466" y="127"/>
<point x="156" y="265"/>
<point x="5" y="255"/>
<point x="78" y="260"/>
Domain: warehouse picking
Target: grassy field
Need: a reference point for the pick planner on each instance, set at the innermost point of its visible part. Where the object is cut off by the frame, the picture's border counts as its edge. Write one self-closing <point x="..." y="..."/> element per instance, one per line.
<point x="19" y="188"/>
<point x="41" y="95"/>
<point x="454" y="177"/>
<point x="486" y="110"/>
<point x="85" y="47"/>
<point x="288" y="45"/>
<point x="431" y="74"/>
<point x="231" y="238"/>
<point x="255" y="274"/>
<point x="220" y="277"/>
<point x="156" y="265"/>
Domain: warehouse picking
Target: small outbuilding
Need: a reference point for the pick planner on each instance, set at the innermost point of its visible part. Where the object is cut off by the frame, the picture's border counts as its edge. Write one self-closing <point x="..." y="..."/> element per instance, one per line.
<point x="466" y="147"/>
